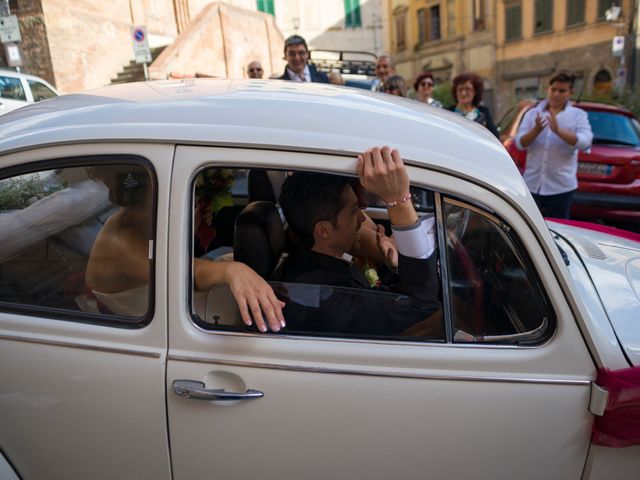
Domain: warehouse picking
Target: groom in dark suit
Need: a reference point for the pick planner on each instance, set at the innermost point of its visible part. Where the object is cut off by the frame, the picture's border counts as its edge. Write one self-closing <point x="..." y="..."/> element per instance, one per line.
<point x="298" y="69"/>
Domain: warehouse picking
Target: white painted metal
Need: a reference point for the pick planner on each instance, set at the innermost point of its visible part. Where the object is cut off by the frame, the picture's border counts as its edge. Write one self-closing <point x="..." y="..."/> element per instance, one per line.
<point x="332" y="408"/>
<point x="360" y="420"/>
<point x="613" y="264"/>
<point x="82" y="401"/>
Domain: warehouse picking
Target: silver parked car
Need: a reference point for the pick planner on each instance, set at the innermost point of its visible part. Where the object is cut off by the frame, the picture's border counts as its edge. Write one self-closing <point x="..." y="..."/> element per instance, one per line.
<point x="118" y="363"/>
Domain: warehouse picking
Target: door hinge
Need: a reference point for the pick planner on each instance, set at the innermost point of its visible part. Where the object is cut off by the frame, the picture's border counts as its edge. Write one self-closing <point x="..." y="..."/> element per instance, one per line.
<point x="598" y="399"/>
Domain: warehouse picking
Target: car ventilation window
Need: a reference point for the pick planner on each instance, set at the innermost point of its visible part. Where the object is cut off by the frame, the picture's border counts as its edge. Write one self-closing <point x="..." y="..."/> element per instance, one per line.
<point x="495" y="294"/>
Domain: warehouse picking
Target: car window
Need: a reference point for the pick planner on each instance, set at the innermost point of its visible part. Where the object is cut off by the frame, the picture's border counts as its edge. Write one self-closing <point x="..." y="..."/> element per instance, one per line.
<point x="11" y="88"/>
<point x="492" y="293"/>
<point x="40" y="91"/>
<point x="613" y="129"/>
<point x="507" y="119"/>
<point x="495" y="295"/>
<point x="358" y="296"/>
<point x="77" y="239"/>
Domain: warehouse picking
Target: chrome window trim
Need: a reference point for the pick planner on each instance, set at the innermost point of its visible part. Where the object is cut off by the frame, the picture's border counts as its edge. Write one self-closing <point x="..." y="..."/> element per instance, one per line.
<point x="378" y="373"/>
<point x="79" y="346"/>
<point x="444" y="272"/>
<point x="367" y="341"/>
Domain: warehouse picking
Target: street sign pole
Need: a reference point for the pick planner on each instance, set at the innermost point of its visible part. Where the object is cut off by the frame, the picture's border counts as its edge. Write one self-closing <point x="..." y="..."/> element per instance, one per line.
<point x="141" y="50"/>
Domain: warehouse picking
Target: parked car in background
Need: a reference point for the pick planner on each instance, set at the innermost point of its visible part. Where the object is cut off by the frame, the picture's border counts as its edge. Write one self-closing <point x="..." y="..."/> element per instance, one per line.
<point x="19" y="89"/>
<point x="356" y="68"/>
<point x="609" y="174"/>
<point x="505" y="376"/>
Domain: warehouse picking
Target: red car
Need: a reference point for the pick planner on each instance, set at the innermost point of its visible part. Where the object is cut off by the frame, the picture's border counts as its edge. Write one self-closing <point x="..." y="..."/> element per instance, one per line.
<point x="609" y="175"/>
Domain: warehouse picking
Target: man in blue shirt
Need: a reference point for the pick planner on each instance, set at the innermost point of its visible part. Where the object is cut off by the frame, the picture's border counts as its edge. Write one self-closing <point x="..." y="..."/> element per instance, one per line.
<point x="552" y="133"/>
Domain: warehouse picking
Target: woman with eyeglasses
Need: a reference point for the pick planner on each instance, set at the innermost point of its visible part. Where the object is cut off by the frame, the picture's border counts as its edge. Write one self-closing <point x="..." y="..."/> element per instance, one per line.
<point x="467" y="91"/>
<point x="395" y="86"/>
<point x="423" y="85"/>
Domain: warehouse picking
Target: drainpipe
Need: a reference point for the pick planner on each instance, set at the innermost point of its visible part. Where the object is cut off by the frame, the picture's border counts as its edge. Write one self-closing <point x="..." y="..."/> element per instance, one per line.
<point x="633" y="67"/>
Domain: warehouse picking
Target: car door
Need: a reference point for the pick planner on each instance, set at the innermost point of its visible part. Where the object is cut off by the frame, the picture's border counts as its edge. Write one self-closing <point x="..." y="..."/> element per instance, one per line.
<point x="317" y="406"/>
<point x="81" y="384"/>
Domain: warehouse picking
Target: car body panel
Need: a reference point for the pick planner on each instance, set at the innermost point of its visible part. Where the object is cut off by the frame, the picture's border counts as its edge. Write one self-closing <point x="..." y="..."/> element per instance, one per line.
<point x="608" y="175"/>
<point x="71" y="391"/>
<point x="316" y="418"/>
<point x="332" y="406"/>
<point x="613" y="265"/>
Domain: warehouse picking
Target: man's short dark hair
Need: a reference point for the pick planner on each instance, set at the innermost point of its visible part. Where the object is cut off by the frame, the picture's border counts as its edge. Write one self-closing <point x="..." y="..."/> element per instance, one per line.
<point x="295" y="40"/>
<point x="563" y="76"/>
<point x="308" y="198"/>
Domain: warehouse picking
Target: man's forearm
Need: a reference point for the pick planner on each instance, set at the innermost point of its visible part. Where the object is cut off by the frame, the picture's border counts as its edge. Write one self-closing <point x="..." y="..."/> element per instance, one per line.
<point x="528" y="138"/>
<point x="567" y="136"/>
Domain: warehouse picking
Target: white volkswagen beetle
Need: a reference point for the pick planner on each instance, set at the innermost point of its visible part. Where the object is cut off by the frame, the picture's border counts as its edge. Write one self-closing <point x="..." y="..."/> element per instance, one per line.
<point x="105" y="378"/>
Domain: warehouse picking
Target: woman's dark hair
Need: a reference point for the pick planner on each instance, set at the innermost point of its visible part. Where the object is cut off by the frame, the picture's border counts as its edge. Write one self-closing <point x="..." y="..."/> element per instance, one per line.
<point x="475" y="80"/>
<point x="395" y="82"/>
<point x="308" y="198"/>
<point x="420" y="77"/>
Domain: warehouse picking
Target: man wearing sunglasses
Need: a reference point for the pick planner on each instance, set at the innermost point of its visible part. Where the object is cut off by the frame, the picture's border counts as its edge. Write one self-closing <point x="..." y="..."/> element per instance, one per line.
<point x="298" y="69"/>
<point x="254" y="69"/>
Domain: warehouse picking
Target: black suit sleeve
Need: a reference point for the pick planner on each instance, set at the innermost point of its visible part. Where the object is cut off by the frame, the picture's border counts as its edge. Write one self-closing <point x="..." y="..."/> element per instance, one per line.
<point x="488" y="122"/>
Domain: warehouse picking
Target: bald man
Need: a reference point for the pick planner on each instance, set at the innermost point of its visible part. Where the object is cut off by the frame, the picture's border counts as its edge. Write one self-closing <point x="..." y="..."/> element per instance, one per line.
<point x="254" y="69"/>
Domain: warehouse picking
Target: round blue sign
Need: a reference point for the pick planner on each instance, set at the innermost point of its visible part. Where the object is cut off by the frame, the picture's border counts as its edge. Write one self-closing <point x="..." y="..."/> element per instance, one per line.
<point x="138" y="35"/>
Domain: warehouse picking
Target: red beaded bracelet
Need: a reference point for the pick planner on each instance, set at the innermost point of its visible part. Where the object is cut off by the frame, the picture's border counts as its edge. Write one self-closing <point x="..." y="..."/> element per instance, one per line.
<point x="404" y="199"/>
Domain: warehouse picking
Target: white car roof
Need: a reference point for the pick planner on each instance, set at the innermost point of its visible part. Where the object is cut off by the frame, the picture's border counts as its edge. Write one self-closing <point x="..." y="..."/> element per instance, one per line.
<point x="14" y="74"/>
<point x="306" y="117"/>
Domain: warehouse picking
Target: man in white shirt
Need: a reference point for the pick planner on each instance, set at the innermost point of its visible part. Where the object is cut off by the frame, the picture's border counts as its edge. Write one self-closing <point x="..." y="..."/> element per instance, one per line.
<point x="298" y="69"/>
<point x="552" y="133"/>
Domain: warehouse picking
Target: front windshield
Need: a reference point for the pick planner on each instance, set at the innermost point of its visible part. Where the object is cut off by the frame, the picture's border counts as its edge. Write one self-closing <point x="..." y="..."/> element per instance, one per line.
<point x="613" y="129"/>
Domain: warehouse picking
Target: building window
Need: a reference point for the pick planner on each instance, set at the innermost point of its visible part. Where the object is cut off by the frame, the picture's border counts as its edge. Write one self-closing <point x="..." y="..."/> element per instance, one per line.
<point x="434" y="22"/>
<point x="266" y="6"/>
<point x="526" y="87"/>
<point x="604" y="5"/>
<point x="352" y="13"/>
<point x="429" y="24"/>
<point x="543" y="16"/>
<point x="575" y="12"/>
<point x="478" y="14"/>
<point x="513" y="21"/>
<point x="422" y="25"/>
<point x="401" y="29"/>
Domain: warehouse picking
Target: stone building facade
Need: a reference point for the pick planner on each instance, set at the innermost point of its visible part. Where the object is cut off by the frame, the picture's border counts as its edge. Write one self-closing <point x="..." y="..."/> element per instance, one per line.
<point x="444" y="37"/>
<point x="514" y="45"/>
<point x="535" y="38"/>
<point x="82" y="44"/>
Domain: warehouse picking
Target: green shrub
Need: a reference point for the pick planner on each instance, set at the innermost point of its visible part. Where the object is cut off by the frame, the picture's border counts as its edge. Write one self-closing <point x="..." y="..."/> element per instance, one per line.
<point x="442" y="93"/>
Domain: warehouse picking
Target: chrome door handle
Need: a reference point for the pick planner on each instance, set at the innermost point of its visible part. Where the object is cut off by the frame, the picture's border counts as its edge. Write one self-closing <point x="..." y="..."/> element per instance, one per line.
<point x="196" y="390"/>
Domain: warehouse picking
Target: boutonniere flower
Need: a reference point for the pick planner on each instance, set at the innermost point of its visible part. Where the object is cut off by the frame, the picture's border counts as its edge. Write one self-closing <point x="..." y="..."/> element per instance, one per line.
<point x="371" y="275"/>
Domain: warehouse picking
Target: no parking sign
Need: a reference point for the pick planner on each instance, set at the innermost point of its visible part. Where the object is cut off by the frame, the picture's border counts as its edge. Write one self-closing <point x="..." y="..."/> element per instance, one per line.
<point x="141" y="50"/>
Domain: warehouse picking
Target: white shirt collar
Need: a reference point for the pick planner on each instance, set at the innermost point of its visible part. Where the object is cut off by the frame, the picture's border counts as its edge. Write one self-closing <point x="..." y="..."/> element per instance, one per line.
<point x="297" y="78"/>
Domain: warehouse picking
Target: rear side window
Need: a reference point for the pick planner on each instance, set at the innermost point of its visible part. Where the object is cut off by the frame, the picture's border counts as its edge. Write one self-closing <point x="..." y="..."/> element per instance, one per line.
<point x="613" y="129"/>
<point x="78" y="240"/>
<point x="40" y="91"/>
<point x="495" y="296"/>
<point x="11" y="88"/>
